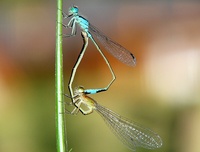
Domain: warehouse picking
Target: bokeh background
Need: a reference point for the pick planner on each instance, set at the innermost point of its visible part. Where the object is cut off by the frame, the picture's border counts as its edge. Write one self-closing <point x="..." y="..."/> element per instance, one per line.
<point x="161" y="92"/>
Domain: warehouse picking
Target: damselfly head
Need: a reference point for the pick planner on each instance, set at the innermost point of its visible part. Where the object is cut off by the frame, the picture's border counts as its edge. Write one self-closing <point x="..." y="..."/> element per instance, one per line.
<point x="73" y="10"/>
<point x="79" y="90"/>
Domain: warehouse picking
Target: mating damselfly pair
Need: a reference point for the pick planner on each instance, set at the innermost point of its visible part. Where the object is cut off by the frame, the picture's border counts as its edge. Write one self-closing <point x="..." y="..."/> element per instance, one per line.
<point x="130" y="133"/>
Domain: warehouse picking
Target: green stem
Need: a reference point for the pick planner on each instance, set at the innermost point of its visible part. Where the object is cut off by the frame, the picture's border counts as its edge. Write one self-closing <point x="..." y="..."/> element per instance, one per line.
<point x="60" y="116"/>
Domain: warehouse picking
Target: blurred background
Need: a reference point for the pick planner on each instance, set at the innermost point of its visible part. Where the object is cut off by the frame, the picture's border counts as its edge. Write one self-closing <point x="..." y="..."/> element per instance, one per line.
<point x="161" y="92"/>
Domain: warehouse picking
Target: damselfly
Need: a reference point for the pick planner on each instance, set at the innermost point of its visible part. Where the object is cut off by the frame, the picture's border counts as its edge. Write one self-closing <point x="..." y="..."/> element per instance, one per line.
<point x="112" y="47"/>
<point x="130" y="133"/>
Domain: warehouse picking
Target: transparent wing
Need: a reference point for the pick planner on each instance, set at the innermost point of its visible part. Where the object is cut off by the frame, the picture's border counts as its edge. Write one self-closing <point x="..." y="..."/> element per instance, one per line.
<point x="114" y="48"/>
<point x="131" y="134"/>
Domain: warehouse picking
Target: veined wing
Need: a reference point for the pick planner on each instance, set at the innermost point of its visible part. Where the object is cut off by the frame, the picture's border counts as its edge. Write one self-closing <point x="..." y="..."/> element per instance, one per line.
<point x="114" y="48"/>
<point x="131" y="134"/>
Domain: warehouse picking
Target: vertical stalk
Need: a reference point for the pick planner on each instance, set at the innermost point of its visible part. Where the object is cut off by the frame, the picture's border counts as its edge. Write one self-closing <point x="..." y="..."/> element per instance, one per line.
<point x="61" y="139"/>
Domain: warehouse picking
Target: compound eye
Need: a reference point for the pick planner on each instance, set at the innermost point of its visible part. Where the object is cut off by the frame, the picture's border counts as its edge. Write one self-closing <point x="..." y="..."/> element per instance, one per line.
<point x="80" y="89"/>
<point x="73" y="10"/>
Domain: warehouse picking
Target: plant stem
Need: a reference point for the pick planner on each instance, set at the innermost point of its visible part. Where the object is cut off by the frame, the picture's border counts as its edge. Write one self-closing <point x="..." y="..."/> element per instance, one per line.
<point x="59" y="109"/>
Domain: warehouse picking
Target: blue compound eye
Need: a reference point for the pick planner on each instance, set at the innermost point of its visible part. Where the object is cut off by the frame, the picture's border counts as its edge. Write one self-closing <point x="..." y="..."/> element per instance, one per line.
<point x="73" y="10"/>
